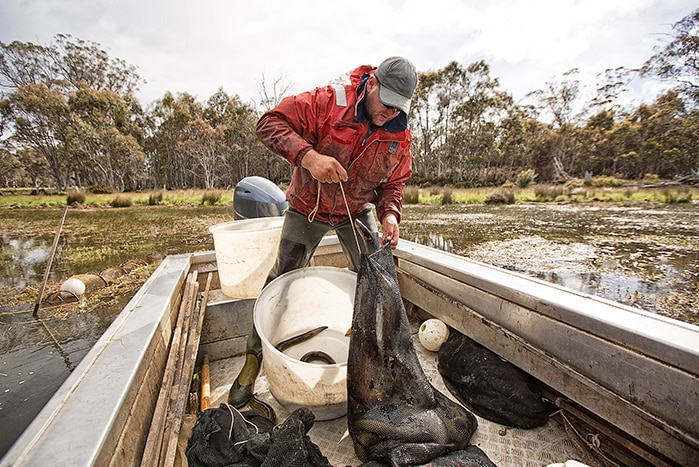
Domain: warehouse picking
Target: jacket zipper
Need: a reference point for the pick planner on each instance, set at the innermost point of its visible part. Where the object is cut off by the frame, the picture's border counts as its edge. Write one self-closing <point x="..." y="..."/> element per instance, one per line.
<point x="368" y="133"/>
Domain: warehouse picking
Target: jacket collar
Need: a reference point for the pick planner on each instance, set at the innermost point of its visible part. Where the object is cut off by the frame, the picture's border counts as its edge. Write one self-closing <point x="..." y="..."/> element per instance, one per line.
<point x="396" y="125"/>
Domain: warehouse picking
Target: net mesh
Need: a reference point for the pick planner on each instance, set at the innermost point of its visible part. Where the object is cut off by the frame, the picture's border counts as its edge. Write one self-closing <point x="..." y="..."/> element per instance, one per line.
<point x="225" y="437"/>
<point x="490" y="386"/>
<point x="395" y="415"/>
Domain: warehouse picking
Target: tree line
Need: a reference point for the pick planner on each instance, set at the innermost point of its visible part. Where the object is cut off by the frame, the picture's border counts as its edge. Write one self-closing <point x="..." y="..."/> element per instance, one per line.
<point x="69" y="118"/>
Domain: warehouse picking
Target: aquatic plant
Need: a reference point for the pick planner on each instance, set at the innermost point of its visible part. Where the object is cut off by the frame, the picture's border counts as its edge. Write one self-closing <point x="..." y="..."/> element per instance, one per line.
<point x="155" y="198"/>
<point x="121" y="201"/>
<point x="75" y="196"/>
<point x="411" y="195"/>
<point x="101" y="190"/>
<point x="526" y="178"/>
<point x="501" y="197"/>
<point x="446" y="195"/>
<point x="211" y="197"/>
<point x="548" y="192"/>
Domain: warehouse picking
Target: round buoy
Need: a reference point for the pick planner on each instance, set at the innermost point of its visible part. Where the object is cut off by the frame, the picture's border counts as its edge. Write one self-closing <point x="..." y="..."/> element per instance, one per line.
<point x="432" y="334"/>
<point x="73" y="285"/>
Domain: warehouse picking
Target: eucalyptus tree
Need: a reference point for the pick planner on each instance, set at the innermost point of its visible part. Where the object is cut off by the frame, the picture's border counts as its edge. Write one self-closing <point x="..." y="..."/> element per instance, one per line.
<point x="625" y="138"/>
<point x="10" y="167"/>
<point x="668" y="144"/>
<point x="522" y="140"/>
<point x="104" y="141"/>
<point x="37" y="81"/>
<point x="559" y="96"/>
<point x="455" y="118"/>
<point x="658" y="138"/>
<point x="272" y="93"/>
<point x="678" y="60"/>
<point x="260" y="158"/>
<point x="478" y="117"/>
<point x="40" y="118"/>
<point x="558" y="102"/>
<point x="244" y="154"/>
<point x="168" y="124"/>
<point x="424" y="126"/>
<point x="597" y="154"/>
<point x="205" y="148"/>
<point x="612" y="86"/>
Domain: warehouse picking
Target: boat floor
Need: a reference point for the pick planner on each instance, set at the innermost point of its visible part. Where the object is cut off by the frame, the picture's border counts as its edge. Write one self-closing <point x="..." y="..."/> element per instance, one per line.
<point x="505" y="446"/>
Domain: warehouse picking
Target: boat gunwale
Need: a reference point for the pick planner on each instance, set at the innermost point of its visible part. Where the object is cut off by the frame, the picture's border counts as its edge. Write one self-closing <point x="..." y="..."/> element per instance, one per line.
<point x="666" y="339"/>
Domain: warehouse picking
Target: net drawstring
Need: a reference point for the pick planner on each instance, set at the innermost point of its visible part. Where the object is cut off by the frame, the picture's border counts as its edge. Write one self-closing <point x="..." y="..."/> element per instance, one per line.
<point x="351" y="221"/>
<point x="312" y="214"/>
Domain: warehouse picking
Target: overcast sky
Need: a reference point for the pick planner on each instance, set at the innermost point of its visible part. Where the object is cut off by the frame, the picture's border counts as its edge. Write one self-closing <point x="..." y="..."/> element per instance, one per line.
<point x="199" y="46"/>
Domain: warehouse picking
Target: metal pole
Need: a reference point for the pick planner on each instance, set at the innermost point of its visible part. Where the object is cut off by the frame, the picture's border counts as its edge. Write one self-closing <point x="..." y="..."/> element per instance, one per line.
<point x="48" y="266"/>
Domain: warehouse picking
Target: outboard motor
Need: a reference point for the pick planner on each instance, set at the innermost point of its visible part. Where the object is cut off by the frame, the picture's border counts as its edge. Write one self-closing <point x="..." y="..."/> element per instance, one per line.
<point x="258" y="197"/>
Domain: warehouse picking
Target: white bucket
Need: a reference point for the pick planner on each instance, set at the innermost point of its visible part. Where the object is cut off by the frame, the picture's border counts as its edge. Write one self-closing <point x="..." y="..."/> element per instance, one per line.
<point x="292" y="304"/>
<point x="245" y="253"/>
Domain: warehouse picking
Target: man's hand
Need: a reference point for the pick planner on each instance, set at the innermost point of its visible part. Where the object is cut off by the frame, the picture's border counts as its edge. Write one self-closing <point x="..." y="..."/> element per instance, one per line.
<point x="323" y="168"/>
<point x="389" y="230"/>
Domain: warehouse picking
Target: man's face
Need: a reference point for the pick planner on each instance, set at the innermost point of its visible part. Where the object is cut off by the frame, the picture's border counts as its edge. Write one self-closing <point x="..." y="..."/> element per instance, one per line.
<point x="377" y="113"/>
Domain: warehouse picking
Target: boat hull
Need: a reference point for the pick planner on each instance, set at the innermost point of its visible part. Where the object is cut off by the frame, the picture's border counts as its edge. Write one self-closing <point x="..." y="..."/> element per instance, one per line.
<point x="629" y="374"/>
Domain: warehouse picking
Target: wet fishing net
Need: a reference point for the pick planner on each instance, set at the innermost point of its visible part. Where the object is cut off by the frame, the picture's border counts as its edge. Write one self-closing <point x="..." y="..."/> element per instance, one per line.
<point x="395" y="416"/>
<point x="490" y="386"/>
<point x="227" y="437"/>
<point x="472" y="456"/>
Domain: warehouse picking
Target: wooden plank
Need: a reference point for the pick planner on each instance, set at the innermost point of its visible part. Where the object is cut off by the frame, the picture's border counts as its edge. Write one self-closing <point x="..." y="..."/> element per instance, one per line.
<point x="172" y="422"/>
<point x="181" y="390"/>
<point x="154" y="441"/>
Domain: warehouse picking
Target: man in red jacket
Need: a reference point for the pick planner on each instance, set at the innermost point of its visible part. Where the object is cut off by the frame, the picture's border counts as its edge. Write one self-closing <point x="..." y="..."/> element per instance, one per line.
<point x="350" y="148"/>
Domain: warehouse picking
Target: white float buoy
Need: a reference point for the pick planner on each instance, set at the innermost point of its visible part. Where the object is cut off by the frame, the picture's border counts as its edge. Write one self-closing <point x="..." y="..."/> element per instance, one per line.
<point x="432" y="334"/>
<point x="73" y="285"/>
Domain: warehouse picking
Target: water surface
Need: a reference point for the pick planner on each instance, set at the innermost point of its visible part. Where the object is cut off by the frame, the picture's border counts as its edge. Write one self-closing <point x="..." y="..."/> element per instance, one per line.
<point x="645" y="256"/>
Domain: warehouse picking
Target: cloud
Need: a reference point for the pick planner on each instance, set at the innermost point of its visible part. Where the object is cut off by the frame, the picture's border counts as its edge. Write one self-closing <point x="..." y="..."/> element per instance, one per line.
<point x="181" y="46"/>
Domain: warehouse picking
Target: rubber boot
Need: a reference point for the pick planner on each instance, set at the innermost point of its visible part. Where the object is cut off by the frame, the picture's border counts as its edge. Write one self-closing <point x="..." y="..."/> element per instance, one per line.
<point x="244" y="385"/>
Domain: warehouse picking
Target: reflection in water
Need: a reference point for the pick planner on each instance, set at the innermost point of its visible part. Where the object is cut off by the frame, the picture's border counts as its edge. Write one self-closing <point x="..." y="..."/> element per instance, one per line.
<point x="435" y="240"/>
<point x="22" y="259"/>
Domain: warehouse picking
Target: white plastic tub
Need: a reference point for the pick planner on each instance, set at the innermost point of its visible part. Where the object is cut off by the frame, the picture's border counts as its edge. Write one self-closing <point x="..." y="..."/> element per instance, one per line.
<point x="292" y="304"/>
<point x="245" y="253"/>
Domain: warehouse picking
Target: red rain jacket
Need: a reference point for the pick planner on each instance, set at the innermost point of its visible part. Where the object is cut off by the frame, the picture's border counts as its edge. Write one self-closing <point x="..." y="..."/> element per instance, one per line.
<point x="331" y="121"/>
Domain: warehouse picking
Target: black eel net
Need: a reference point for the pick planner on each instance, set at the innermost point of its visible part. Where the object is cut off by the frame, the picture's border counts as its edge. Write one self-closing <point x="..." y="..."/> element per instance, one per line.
<point x="226" y="437"/>
<point x="490" y="386"/>
<point x="395" y="415"/>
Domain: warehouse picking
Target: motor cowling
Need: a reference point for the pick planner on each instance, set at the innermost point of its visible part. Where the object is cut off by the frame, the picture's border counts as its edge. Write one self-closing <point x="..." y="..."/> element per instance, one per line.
<point x="258" y="197"/>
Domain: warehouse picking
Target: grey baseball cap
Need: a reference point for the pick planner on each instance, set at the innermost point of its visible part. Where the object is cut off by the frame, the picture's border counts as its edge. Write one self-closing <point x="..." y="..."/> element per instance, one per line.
<point x="397" y="81"/>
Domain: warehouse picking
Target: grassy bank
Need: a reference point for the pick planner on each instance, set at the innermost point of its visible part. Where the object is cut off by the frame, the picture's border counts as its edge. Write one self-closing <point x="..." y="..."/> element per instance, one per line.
<point x="413" y="195"/>
<point x="45" y="198"/>
<point x="552" y="193"/>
